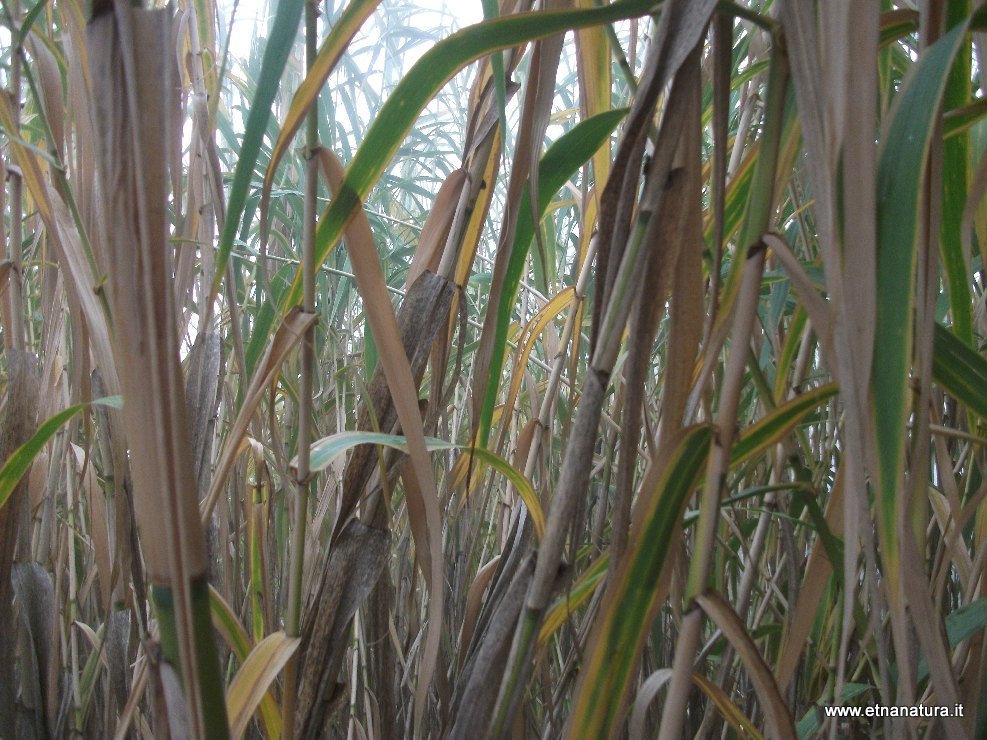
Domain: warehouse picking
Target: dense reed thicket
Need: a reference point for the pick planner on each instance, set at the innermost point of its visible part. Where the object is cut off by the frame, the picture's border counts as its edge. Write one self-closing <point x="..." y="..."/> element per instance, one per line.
<point x="597" y="370"/>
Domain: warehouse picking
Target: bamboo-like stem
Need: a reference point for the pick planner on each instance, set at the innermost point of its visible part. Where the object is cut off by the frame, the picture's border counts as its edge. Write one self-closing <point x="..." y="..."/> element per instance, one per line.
<point x="760" y="208"/>
<point x="293" y="619"/>
<point x="58" y="174"/>
<point x="256" y="532"/>
<point x="71" y="495"/>
<point x="723" y="47"/>
<point x="576" y="466"/>
<point x="617" y="51"/>
<point x="709" y="507"/>
<point x="129" y="62"/>
<point x="214" y="714"/>
<point x="15" y="237"/>
<point x="551" y="391"/>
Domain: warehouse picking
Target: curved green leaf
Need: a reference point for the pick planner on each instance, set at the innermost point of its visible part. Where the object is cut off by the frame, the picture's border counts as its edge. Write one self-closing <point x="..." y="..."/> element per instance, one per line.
<point x="329" y="448"/>
<point x="766" y="432"/>
<point x="20" y="462"/>
<point x="436" y="67"/>
<point x="330" y="53"/>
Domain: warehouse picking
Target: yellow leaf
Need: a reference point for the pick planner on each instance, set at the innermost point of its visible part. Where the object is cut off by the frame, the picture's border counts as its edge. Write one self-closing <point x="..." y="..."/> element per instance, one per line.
<point x="256" y="674"/>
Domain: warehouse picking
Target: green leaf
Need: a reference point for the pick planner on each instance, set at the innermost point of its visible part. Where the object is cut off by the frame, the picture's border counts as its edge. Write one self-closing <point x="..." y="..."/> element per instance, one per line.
<point x="370" y="353"/>
<point x="491" y="11"/>
<point x="28" y="22"/>
<point x="775" y="425"/>
<point x="900" y="174"/>
<point x="758" y="206"/>
<point x="897" y="24"/>
<point x="960" y="370"/>
<point x="263" y="322"/>
<point x="628" y="605"/>
<point x="276" y="53"/>
<point x="20" y="462"/>
<point x="961" y="119"/>
<point x="961" y="625"/>
<point x="558" y="164"/>
<point x="738" y="191"/>
<point x="955" y="184"/>
<point x="329" y="448"/>
<point x="966" y="621"/>
<point x="330" y="52"/>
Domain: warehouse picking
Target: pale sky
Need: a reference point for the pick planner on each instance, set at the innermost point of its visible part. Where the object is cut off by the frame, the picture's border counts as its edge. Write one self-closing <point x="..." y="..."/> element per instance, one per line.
<point x="465" y="13"/>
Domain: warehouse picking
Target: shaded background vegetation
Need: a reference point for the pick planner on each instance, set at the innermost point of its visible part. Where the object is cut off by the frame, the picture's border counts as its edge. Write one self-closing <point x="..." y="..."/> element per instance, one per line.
<point x="595" y="370"/>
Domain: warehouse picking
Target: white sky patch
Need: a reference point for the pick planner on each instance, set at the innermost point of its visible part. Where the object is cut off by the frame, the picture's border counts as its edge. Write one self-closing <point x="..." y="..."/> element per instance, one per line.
<point x="251" y="16"/>
<point x="466" y="12"/>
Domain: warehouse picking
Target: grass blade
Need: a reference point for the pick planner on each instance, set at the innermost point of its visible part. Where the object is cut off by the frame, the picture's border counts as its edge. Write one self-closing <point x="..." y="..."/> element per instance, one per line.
<point x="621" y="628"/>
